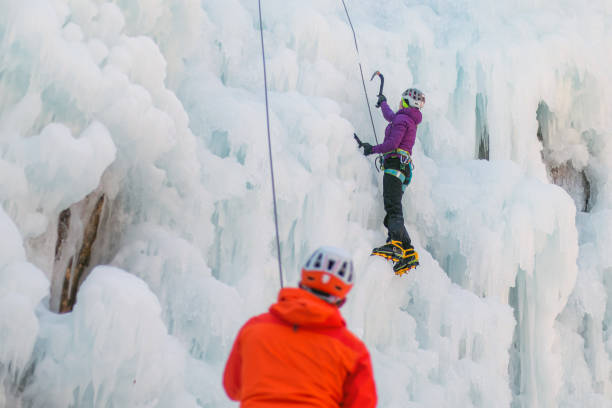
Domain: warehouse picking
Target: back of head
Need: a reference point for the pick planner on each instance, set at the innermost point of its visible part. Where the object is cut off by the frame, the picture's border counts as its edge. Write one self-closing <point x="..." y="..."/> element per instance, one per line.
<point x="329" y="274"/>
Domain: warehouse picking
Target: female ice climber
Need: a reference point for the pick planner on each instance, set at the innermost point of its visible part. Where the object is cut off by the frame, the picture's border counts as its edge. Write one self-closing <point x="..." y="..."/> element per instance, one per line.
<point x="396" y="149"/>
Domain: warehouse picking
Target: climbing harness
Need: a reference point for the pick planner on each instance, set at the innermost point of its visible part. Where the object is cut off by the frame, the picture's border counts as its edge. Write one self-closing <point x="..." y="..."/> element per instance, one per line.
<point x="404" y="173"/>
<point x="263" y="59"/>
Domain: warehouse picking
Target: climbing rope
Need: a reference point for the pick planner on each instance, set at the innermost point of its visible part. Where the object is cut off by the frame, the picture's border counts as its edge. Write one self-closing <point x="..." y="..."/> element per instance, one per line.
<point x="263" y="59"/>
<point x="361" y="70"/>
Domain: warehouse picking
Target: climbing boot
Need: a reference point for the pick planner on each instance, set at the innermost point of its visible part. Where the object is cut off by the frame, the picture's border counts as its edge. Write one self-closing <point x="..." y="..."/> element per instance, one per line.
<point x="408" y="261"/>
<point x="392" y="250"/>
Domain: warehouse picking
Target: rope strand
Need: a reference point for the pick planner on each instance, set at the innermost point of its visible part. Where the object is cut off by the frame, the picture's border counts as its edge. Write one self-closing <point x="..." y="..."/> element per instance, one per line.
<point x="263" y="58"/>
<point x="361" y="71"/>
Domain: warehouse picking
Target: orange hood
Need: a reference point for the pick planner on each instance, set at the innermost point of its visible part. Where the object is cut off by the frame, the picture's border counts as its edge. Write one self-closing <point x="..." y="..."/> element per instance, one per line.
<point x="299" y="307"/>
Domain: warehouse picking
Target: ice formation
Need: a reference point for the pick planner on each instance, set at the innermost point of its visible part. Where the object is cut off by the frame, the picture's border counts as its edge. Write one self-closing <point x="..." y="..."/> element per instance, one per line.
<point x="145" y="120"/>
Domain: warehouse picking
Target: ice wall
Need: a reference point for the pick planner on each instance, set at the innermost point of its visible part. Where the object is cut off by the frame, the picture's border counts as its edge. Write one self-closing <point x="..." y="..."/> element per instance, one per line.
<point x="22" y="286"/>
<point x="158" y="105"/>
<point x="133" y="363"/>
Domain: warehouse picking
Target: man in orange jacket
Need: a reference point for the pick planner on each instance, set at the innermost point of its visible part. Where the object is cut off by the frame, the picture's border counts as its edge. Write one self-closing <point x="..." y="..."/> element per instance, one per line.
<point x="300" y="353"/>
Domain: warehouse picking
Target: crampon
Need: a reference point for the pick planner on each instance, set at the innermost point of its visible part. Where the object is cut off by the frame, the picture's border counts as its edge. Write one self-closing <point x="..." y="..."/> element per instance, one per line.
<point x="392" y="251"/>
<point x="410" y="260"/>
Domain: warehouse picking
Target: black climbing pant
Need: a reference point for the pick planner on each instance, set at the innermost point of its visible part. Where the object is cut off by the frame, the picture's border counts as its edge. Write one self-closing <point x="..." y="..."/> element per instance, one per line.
<point x="392" y="198"/>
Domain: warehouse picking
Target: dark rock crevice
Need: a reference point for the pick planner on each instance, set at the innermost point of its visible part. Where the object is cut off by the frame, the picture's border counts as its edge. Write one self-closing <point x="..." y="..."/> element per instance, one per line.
<point x="482" y="128"/>
<point x="87" y="235"/>
<point x="514" y="366"/>
<point x="75" y="271"/>
<point x="575" y="182"/>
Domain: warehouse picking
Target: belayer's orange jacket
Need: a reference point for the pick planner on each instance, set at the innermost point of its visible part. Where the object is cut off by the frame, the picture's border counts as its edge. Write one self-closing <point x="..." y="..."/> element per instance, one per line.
<point x="300" y="354"/>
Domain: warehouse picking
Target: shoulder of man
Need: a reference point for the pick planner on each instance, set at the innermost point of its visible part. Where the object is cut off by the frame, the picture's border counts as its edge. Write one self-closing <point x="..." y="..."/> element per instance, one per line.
<point x="350" y="340"/>
<point x="266" y="317"/>
<point x="255" y="321"/>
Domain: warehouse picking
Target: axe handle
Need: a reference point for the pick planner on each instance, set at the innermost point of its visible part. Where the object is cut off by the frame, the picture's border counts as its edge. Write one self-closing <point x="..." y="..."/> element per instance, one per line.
<point x="357" y="139"/>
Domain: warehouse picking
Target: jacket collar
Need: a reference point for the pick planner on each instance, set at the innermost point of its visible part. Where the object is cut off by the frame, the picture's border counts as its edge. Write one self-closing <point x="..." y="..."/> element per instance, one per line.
<point x="301" y="308"/>
<point x="413" y="113"/>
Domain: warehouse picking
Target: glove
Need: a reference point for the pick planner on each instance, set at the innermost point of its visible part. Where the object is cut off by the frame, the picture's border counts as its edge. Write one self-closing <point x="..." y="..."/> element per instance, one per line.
<point x="381" y="99"/>
<point x="367" y="149"/>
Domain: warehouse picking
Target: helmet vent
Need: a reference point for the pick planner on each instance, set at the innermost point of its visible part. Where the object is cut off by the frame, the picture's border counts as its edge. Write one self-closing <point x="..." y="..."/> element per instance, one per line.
<point x="318" y="261"/>
<point x="310" y="260"/>
<point x="342" y="270"/>
<point x="329" y="270"/>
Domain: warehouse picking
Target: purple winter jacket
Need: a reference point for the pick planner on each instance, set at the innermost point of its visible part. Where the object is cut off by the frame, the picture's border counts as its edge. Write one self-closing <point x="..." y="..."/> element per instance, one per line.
<point x="401" y="131"/>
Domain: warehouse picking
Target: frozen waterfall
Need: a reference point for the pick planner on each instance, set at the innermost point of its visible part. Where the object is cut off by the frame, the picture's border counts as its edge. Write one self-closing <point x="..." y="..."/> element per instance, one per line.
<point x="136" y="194"/>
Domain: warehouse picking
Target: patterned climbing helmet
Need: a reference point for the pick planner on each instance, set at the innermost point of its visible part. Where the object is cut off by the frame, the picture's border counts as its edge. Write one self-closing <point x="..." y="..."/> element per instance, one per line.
<point x="329" y="270"/>
<point x="414" y="98"/>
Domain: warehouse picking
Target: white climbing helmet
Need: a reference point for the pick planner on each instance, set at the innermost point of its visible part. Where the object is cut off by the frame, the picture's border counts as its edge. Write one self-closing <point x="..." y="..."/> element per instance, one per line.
<point x="414" y="98"/>
<point x="329" y="270"/>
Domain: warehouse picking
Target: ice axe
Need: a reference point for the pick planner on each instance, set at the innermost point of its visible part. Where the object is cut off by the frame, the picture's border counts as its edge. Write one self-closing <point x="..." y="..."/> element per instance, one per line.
<point x="359" y="142"/>
<point x="382" y="83"/>
<point x="379" y="159"/>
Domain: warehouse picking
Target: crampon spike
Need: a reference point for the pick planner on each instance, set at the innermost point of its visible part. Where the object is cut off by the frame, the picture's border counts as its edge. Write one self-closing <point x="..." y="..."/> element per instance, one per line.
<point x="405" y="270"/>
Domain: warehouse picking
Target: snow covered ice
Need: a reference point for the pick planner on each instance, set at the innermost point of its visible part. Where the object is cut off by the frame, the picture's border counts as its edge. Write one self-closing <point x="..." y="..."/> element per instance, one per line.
<point x="133" y="151"/>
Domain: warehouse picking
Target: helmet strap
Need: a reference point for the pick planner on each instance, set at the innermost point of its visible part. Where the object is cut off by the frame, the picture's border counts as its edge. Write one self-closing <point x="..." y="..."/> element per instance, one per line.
<point x="405" y="104"/>
<point x="334" y="300"/>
